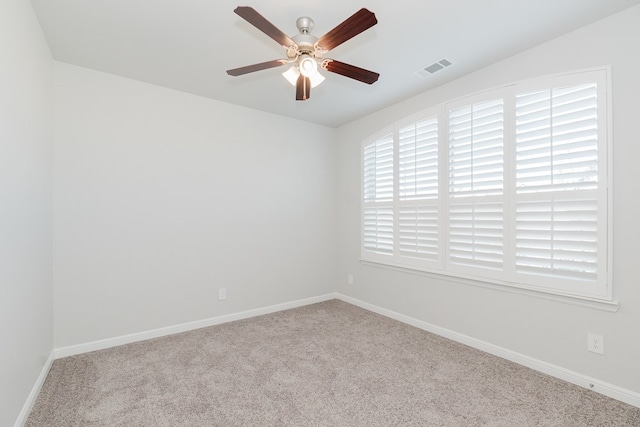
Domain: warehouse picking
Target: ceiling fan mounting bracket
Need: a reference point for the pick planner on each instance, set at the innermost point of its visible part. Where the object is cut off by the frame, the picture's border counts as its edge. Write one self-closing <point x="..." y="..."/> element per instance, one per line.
<point x="304" y="24"/>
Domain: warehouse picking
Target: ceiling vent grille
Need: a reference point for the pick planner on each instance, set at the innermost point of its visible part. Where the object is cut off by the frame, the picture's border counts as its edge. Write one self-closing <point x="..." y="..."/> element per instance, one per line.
<point x="433" y="68"/>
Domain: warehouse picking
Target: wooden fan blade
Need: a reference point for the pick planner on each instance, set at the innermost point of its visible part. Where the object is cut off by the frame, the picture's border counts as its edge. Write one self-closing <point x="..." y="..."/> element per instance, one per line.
<point x="351" y="27"/>
<point x="255" y="67"/>
<point x="303" y="88"/>
<point x="260" y="22"/>
<point x="351" y="71"/>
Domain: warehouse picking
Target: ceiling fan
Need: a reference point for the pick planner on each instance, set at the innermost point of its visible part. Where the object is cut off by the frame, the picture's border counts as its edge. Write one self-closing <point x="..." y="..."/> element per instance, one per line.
<point x="306" y="52"/>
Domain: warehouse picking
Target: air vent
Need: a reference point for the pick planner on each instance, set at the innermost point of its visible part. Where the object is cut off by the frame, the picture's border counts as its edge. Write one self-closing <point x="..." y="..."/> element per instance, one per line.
<point x="433" y="68"/>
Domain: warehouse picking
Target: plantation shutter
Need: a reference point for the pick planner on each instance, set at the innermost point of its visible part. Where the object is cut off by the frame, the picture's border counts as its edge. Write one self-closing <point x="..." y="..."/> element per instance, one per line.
<point x="476" y="234"/>
<point x="476" y="176"/>
<point x="508" y="187"/>
<point x="378" y="196"/>
<point x="418" y="189"/>
<point x="557" y="182"/>
<point x="557" y="139"/>
<point x="418" y="160"/>
<point x="557" y="237"/>
<point x="476" y="149"/>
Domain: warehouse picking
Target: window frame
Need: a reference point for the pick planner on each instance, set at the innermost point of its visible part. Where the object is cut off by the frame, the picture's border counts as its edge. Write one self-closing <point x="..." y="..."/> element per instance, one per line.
<point x="507" y="277"/>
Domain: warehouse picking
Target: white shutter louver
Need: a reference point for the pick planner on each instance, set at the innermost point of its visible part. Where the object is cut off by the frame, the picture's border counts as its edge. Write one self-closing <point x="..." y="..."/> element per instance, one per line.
<point x="378" y="170"/>
<point x="418" y="160"/>
<point x="418" y="189"/>
<point x="418" y="231"/>
<point x="377" y="227"/>
<point x="476" y="176"/>
<point x="378" y="230"/>
<point x="557" y="238"/>
<point x="556" y="182"/>
<point x="476" y="149"/>
<point x="557" y="139"/>
<point x="476" y="234"/>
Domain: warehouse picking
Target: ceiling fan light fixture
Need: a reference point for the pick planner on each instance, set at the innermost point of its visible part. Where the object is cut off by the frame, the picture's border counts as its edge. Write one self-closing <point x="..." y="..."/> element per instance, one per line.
<point x="293" y="73"/>
<point x="308" y="66"/>
<point x="316" y="79"/>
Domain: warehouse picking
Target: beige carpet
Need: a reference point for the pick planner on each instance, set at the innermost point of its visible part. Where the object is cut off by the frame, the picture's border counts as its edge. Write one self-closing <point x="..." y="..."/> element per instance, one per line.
<point x="326" y="364"/>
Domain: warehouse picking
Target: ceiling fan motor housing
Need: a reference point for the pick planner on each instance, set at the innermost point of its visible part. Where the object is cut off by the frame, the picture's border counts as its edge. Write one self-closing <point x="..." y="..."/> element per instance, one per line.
<point x="305" y="41"/>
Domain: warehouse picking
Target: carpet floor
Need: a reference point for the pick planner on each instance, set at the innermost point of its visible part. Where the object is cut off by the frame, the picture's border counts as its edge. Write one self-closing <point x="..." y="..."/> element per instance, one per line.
<point x="325" y="364"/>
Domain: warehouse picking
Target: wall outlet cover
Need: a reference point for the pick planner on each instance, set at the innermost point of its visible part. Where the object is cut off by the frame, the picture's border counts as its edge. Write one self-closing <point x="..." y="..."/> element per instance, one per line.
<point x="595" y="343"/>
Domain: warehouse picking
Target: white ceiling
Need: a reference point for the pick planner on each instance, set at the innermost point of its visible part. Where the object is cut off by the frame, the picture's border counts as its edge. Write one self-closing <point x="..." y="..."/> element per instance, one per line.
<point x="188" y="44"/>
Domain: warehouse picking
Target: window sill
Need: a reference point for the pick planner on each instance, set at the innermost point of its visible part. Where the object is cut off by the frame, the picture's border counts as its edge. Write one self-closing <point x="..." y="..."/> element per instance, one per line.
<point x="609" y="306"/>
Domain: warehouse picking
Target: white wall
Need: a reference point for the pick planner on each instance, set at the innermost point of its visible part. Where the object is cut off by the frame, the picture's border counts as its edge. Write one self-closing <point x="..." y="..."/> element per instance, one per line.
<point x="549" y="331"/>
<point x="26" y="329"/>
<point x="161" y="198"/>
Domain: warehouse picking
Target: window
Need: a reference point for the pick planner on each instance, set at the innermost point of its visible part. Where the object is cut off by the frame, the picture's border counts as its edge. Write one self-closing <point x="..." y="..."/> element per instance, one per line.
<point x="507" y="187"/>
<point x="418" y="190"/>
<point x="476" y="187"/>
<point x="378" y="196"/>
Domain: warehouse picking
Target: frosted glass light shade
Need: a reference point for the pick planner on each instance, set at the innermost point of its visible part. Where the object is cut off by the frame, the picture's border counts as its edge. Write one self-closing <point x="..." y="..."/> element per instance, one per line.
<point x="293" y="73"/>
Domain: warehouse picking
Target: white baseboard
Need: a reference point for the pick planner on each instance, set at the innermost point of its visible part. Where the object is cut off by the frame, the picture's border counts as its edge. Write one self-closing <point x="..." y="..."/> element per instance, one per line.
<point x="170" y="330"/>
<point x="31" y="399"/>
<point x="576" y="378"/>
<point x="594" y="384"/>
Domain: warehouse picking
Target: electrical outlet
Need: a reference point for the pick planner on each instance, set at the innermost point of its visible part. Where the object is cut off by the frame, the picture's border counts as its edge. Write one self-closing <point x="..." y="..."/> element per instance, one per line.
<point x="350" y="279"/>
<point x="222" y="293"/>
<point x="595" y="343"/>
